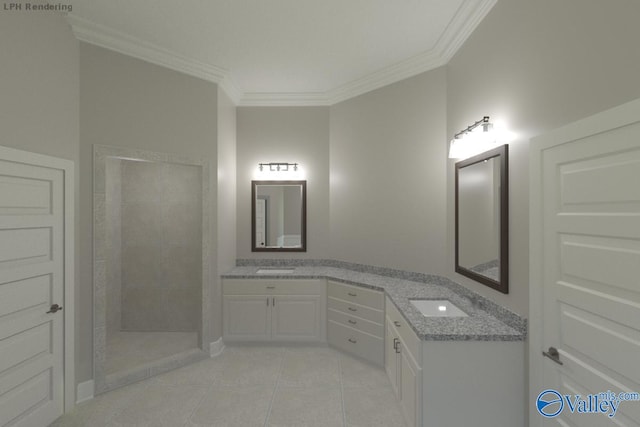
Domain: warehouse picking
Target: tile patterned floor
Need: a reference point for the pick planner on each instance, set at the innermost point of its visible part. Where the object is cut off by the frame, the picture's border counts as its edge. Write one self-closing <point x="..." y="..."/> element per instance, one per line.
<point x="127" y="350"/>
<point x="252" y="386"/>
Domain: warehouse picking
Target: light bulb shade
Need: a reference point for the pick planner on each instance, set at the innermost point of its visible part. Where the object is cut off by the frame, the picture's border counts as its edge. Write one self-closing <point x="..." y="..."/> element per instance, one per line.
<point x="476" y="141"/>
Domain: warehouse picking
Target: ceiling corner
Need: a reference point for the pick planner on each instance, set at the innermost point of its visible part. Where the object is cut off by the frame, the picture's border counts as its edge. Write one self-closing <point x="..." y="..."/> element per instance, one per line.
<point x="102" y="36"/>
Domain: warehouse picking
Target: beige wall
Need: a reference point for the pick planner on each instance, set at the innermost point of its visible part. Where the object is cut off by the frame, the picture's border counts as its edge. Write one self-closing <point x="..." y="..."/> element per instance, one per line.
<point x="537" y="66"/>
<point x="285" y="134"/>
<point x="39" y="104"/>
<point x="131" y="103"/>
<point x="226" y="216"/>
<point x="388" y="176"/>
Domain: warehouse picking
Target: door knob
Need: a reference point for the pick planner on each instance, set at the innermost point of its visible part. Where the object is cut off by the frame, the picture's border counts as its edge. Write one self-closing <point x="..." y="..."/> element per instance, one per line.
<point x="553" y="354"/>
<point x="54" y="308"/>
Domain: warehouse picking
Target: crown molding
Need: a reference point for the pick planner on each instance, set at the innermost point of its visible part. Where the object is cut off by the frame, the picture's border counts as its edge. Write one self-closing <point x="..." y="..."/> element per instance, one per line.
<point x="108" y="38"/>
<point x="464" y="22"/>
<point x="284" y="99"/>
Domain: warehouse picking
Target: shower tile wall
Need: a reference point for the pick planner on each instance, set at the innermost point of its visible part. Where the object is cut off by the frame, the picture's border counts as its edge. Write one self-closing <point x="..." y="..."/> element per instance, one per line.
<point x="161" y="247"/>
<point x="113" y="177"/>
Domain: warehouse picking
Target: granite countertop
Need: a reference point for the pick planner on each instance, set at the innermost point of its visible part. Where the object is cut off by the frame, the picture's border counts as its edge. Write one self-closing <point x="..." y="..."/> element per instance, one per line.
<point x="487" y="321"/>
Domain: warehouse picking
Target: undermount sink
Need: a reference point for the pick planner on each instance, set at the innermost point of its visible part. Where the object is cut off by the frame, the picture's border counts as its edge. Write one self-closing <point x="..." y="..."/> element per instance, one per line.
<point x="275" y="270"/>
<point x="438" y="308"/>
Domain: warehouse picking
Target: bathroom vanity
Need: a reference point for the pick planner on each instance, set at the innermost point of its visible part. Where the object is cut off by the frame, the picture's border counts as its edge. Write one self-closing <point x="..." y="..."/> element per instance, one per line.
<point x="453" y="357"/>
<point x="274" y="310"/>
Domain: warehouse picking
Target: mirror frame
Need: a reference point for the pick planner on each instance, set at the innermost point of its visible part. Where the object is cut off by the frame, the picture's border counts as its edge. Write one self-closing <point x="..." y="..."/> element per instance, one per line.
<point x="303" y="231"/>
<point x="501" y="285"/>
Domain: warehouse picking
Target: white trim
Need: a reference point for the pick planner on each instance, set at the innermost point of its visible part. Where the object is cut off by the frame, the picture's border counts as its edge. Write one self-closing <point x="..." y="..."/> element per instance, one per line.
<point x="617" y="117"/>
<point x="84" y="392"/>
<point x="284" y="99"/>
<point x="67" y="167"/>
<point x="408" y="68"/>
<point x="216" y="347"/>
<point x="461" y="26"/>
<point x="464" y="22"/>
<point x="108" y="38"/>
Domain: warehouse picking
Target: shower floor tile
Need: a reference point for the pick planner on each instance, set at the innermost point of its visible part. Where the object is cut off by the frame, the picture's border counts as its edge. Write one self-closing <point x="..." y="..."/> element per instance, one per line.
<point x="126" y="350"/>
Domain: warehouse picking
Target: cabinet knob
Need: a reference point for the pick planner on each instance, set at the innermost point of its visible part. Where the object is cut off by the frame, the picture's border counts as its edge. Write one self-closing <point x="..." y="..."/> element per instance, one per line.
<point x="353" y="322"/>
<point x="351" y="340"/>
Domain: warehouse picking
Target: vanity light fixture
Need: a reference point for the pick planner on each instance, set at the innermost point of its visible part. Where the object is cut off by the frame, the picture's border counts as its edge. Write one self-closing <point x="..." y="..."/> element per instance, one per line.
<point x="476" y="138"/>
<point x="278" y="166"/>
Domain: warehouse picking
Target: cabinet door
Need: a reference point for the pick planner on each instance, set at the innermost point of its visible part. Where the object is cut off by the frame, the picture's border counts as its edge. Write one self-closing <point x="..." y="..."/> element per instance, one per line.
<point x="297" y="318"/>
<point x="391" y="357"/>
<point x="247" y="317"/>
<point x="409" y="380"/>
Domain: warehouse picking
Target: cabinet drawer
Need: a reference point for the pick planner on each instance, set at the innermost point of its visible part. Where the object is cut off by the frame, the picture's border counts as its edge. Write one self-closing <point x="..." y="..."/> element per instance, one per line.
<point x="410" y="339"/>
<point x="356" y="323"/>
<point x="356" y="342"/>
<point x="354" y="309"/>
<point x="272" y="287"/>
<point x="356" y="294"/>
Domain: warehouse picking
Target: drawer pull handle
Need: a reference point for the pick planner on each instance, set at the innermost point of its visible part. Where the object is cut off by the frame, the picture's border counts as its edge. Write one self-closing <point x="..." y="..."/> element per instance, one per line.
<point x="353" y="309"/>
<point x="271" y="287"/>
<point x="395" y="344"/>
<point x="351" y="294"/>
<point x="353" y="322"/>
<point x="352" y="341"/>
<point x="398" y="324"/>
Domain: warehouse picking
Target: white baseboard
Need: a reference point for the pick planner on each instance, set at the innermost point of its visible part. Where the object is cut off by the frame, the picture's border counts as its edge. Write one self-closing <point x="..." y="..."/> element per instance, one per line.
<point x="216" y="347"/>
<point x="84" y="391"/>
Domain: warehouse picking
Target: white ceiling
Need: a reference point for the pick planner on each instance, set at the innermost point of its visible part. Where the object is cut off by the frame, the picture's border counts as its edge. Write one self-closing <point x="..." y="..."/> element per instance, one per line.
<point x="285" y="52"/>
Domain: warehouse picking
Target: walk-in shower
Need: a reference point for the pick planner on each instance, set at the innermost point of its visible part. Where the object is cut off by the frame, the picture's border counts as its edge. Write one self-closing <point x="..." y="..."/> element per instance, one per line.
<point x="150" y="219"/>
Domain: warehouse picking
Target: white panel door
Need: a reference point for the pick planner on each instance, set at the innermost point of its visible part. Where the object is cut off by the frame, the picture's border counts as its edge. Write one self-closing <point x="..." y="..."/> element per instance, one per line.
<point x="585" y="251"/>
<point x="31" y="281"/>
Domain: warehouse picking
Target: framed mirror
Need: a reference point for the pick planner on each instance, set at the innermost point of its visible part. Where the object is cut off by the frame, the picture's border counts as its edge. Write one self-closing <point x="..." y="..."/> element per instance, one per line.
<point x="278" y="216"/>
<point x="482" y="218"/>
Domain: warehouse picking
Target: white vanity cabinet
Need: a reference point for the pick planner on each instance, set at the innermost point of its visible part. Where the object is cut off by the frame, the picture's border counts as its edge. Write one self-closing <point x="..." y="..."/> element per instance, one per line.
<point x="274" y="310"/>
<point x="453" y="383"/>
<point x="356" y="320"/>
<point x="403" y="358"/>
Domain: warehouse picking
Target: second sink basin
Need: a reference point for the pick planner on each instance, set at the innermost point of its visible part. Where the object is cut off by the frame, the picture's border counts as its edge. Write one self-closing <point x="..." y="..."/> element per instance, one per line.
<point x="438" y="308"/>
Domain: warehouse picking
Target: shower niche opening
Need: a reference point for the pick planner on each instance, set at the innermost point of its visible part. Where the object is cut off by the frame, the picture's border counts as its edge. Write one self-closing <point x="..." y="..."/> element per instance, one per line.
<point x="149" y="258"/>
